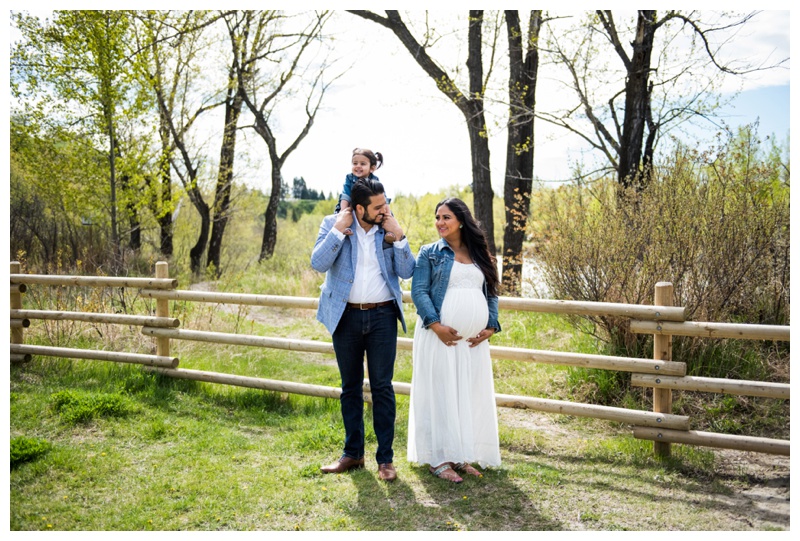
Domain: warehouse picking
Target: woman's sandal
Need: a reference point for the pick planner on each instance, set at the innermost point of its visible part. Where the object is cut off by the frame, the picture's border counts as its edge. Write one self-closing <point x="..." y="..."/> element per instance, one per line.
<point x="463" y="467"/>
<point x="446" y="471"/>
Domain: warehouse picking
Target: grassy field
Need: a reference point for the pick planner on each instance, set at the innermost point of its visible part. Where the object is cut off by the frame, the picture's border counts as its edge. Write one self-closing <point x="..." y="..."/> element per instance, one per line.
<point x="124" y="449"/>
<point x="102" y="446"/>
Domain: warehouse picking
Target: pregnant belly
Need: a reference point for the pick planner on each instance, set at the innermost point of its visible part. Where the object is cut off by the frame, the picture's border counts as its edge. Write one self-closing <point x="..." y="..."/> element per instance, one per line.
<point x="466" y="311"/>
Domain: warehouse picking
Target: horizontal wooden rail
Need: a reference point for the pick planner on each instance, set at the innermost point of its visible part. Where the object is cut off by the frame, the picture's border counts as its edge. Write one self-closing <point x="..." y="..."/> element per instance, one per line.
<point x="231" y="298"/>
<point x="713" y="330"/>
<point x="94" y="281"/>
<point x="96" y="355"/>
<point x="18" y="288"/>
<point x="20" y="357"/>
<point x="713" y="385"/>
<point x="270" y="384"/>
<point x="241" y="339"/>
<point x="497" y="352"/>
<point x="587" y="360"/>
<point x="642" y="418"/>
<point x="590" y="308"/>
<point x="20" y="323"/>
<point x="251" y="382"/>
<point x="621" y="415"/>
<point x="92" y="317"/>
<point x="666" y="313"/>
<point x="710" y="439"/>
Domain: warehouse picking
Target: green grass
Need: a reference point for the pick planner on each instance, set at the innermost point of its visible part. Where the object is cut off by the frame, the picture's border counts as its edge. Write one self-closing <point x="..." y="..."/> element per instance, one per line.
<point x="24" y="449"/>
<point x="196" y="456"/>
<point x="74" y="407"/>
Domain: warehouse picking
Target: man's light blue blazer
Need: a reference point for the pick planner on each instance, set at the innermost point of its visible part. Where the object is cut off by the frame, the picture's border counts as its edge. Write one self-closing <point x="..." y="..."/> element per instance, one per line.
<point x="338" y="259"/>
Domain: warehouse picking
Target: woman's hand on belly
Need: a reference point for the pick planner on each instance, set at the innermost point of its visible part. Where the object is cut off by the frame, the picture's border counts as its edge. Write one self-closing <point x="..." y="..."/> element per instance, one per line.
<point x="448" y="335"/>
<point x="485" y="334"/>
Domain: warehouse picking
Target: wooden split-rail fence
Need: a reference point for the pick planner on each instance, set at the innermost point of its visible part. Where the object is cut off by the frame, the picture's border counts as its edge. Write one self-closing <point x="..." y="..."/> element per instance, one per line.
<point x="660" y="373"/>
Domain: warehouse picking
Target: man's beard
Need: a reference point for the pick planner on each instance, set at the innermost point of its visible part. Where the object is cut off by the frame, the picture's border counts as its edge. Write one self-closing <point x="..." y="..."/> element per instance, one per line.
<point x="372" y="220"/>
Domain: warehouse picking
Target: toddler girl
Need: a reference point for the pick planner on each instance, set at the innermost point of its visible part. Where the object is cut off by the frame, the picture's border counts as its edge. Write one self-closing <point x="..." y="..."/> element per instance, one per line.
<point x="364" y="163"/>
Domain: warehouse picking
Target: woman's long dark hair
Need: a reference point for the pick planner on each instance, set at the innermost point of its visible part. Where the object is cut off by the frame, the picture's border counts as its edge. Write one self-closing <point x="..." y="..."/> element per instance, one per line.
<point x="473" y="236"/>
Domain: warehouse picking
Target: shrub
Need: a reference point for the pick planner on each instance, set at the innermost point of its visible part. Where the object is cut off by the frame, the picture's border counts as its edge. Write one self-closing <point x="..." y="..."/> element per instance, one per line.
<point x="714" y="224"/>
<point x="717" y="227"/>
<point x="76" y="407"/>
<point x="24" y="449"/>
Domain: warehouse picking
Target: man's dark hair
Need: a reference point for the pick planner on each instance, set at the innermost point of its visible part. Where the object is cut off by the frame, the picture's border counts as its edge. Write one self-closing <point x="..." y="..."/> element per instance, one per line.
<point x="363" y="189"/>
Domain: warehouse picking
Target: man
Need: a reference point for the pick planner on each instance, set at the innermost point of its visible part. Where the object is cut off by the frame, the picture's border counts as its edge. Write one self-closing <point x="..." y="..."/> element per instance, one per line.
<point x="360" y="304"/>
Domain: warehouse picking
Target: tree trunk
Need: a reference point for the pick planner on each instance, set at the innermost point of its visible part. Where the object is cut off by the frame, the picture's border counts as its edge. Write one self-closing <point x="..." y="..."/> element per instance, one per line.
<point x="196" y="253"/>
<point x="222" y="195"/>
<point x="117" y="252"/>
<point x="271" y="215"/>
<point x="52" y="254"/>
<point x="73" y="238"/>
<point x="136" y="229"/>
<point x="165" y="207"/>
<point x="135" y="242"/>
<point x="483" y="195"/>
<point x="636" y="103"/>
<point x="482" y="192"/>
<point x="520" y="148"/>
<point x="165" y="220"/>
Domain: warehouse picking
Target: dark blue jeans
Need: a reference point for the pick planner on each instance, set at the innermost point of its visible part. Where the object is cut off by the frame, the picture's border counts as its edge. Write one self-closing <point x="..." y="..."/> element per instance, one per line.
<point x="373" y="332"/>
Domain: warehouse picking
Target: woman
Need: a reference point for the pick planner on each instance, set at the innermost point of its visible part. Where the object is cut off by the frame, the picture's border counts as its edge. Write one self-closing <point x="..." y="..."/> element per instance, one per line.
<point x="452" y="418"/>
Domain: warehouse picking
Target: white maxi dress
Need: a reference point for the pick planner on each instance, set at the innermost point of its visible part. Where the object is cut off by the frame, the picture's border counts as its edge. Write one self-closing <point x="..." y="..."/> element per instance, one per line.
<point x="452" y="416"/>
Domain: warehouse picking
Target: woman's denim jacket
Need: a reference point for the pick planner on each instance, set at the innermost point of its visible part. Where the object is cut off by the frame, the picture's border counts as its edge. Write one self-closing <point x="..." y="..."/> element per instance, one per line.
<point x="431" y="275"/>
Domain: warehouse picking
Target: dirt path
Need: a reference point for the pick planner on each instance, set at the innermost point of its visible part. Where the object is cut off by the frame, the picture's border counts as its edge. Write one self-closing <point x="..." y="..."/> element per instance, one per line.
<point x="759" y="483"/>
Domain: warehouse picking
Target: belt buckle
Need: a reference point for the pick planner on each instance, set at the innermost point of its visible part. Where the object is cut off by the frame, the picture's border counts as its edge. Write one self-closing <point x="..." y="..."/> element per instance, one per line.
<point x="361" y="305"/>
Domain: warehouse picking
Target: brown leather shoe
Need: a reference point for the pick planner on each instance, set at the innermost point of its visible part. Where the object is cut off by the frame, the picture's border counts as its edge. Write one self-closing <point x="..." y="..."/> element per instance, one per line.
<point x="387" y="472"/>
<point x="343" y="464"/>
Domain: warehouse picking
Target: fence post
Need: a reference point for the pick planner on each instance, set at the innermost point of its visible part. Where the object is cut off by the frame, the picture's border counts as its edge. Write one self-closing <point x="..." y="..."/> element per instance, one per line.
<point x="15" y="303"/>
<point x="162" y="309"/>
<point x="662" y="351"/>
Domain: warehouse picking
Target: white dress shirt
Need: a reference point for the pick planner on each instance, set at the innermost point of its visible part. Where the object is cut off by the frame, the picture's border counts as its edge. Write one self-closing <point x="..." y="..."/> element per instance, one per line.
<point x="369" y="284"/>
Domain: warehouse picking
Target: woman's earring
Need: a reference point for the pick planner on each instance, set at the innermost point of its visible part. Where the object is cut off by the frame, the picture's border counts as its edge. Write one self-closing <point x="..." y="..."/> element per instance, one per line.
<point x="461" y="226"/>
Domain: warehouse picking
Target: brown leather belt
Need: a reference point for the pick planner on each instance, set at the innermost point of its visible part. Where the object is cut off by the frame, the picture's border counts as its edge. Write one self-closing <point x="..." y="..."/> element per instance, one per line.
<point x="367" y="305"/>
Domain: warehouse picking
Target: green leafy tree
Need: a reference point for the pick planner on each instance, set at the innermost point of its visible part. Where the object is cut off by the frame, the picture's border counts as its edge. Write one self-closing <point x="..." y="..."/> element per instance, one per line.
<point x="58" y="187"/>
<point x="299" y="189"/>
<point x="75" y="70"/>
<point x="172" y="46"/>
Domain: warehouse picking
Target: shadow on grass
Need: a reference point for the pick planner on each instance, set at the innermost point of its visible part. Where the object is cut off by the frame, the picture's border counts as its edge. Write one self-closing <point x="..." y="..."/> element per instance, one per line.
<point x="417" y="501"/>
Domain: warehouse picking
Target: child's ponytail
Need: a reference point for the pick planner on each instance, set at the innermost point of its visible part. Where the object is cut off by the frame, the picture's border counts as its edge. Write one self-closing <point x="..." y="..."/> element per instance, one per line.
<point x="375" y="158"/>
